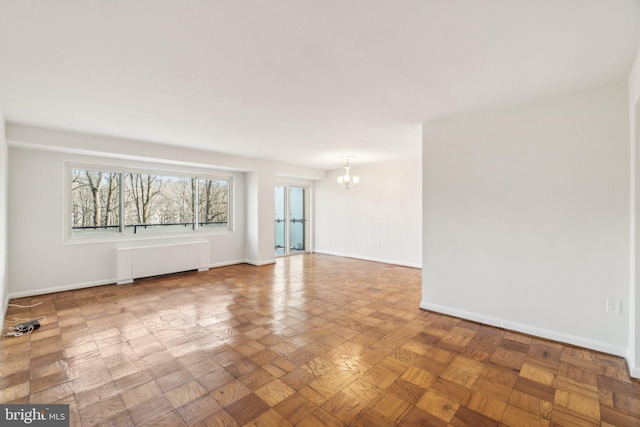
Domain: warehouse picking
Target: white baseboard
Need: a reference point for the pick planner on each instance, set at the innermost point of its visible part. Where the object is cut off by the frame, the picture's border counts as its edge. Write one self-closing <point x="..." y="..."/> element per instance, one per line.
<point x="634" y="371"/>
<point x="226" y="263"/>
<point x="366" y="258"/>
<point x="259" y="263"/>
<point x="63" y="288"/>
<point x="528" y="329"/>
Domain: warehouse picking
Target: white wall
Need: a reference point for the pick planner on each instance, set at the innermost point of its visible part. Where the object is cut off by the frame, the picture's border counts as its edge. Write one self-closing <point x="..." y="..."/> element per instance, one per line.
<point x="43" y="261"/>
<point x="380" y="219"/>
<point x="4" y="174"/>
<point x="633" y="356"/>
<point x="260" y="217"/>
<point x="526" y="217"/>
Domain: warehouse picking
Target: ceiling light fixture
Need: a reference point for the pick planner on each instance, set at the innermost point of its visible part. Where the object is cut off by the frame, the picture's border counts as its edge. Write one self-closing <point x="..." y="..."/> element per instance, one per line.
<point x="347" y="181"/>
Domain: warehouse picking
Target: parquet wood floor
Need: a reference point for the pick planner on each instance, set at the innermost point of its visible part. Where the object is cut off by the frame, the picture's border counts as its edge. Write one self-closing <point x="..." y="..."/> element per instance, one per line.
<point x="313" y="340"/>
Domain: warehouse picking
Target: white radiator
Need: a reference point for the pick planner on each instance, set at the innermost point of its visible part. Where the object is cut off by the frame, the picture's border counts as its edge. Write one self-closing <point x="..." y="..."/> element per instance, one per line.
<point x="146" y="261"/>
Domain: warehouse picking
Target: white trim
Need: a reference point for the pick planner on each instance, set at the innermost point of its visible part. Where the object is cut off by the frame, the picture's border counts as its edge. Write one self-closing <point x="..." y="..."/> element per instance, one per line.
<point x="634" y="371"/>
<point x="227" y="263"/>
<point x="63" y="288"/>
<point x="260" y="263"/>
<point x="527" y="329"/>
<point x="365" y="258"/>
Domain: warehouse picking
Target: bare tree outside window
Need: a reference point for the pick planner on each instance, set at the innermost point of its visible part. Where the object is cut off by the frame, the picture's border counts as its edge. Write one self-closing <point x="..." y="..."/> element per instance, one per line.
<point x="158" y="203"/>
<point x="214" y="203"/>
<point x="95" y="198"/>
<point x="151" y="203"/>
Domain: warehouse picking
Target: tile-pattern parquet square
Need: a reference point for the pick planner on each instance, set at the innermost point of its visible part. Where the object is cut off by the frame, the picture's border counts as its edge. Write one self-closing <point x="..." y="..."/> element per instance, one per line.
<point x="313" y="340"/>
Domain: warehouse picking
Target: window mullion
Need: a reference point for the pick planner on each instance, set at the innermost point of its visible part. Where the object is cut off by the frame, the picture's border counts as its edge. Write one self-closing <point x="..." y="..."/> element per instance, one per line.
<point x="122" y="202"/>
<point x="196" y="203"/>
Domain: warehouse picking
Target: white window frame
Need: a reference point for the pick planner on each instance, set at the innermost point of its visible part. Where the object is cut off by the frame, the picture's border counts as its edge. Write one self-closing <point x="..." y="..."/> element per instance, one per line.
<point x="98" y="236"/>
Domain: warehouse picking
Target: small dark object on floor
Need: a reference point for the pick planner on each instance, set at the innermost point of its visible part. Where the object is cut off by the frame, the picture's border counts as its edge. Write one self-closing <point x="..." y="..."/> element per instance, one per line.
<point x="27" y="327"/>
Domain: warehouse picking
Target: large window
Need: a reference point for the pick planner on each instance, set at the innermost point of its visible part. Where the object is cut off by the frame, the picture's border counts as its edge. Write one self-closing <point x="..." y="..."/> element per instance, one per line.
<point x="145" y="203"/>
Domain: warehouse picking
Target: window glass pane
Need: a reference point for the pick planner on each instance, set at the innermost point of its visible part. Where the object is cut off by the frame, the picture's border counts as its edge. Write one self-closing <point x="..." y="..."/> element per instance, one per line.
<point x="95" y="200"/>
<point x="157" y="203"/>
<point x="213" y="203"/>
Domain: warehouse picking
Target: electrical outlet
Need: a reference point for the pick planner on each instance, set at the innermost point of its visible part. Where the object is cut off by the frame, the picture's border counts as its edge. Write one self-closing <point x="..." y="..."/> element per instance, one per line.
<point x="614" y="306"/>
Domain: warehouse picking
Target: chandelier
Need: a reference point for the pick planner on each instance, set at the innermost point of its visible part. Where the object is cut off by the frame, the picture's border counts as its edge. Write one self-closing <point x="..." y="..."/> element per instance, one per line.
<point x="347" y="181"/>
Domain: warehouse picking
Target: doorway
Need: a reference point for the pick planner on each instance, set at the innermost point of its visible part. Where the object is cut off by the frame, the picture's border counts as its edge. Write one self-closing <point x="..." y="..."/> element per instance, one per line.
<point x="291" y="219"/>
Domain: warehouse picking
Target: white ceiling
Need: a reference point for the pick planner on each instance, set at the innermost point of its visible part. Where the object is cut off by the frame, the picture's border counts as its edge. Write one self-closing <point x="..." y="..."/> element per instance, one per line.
<point x="302" y="81"/>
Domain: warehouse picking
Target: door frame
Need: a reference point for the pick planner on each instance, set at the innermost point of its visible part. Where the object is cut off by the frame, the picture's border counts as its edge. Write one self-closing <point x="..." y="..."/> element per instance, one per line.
<point x="308" y="209"/>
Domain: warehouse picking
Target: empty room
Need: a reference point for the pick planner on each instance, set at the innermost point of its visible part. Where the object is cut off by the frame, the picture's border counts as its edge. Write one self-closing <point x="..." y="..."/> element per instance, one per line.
<point x="320" y="213"/>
